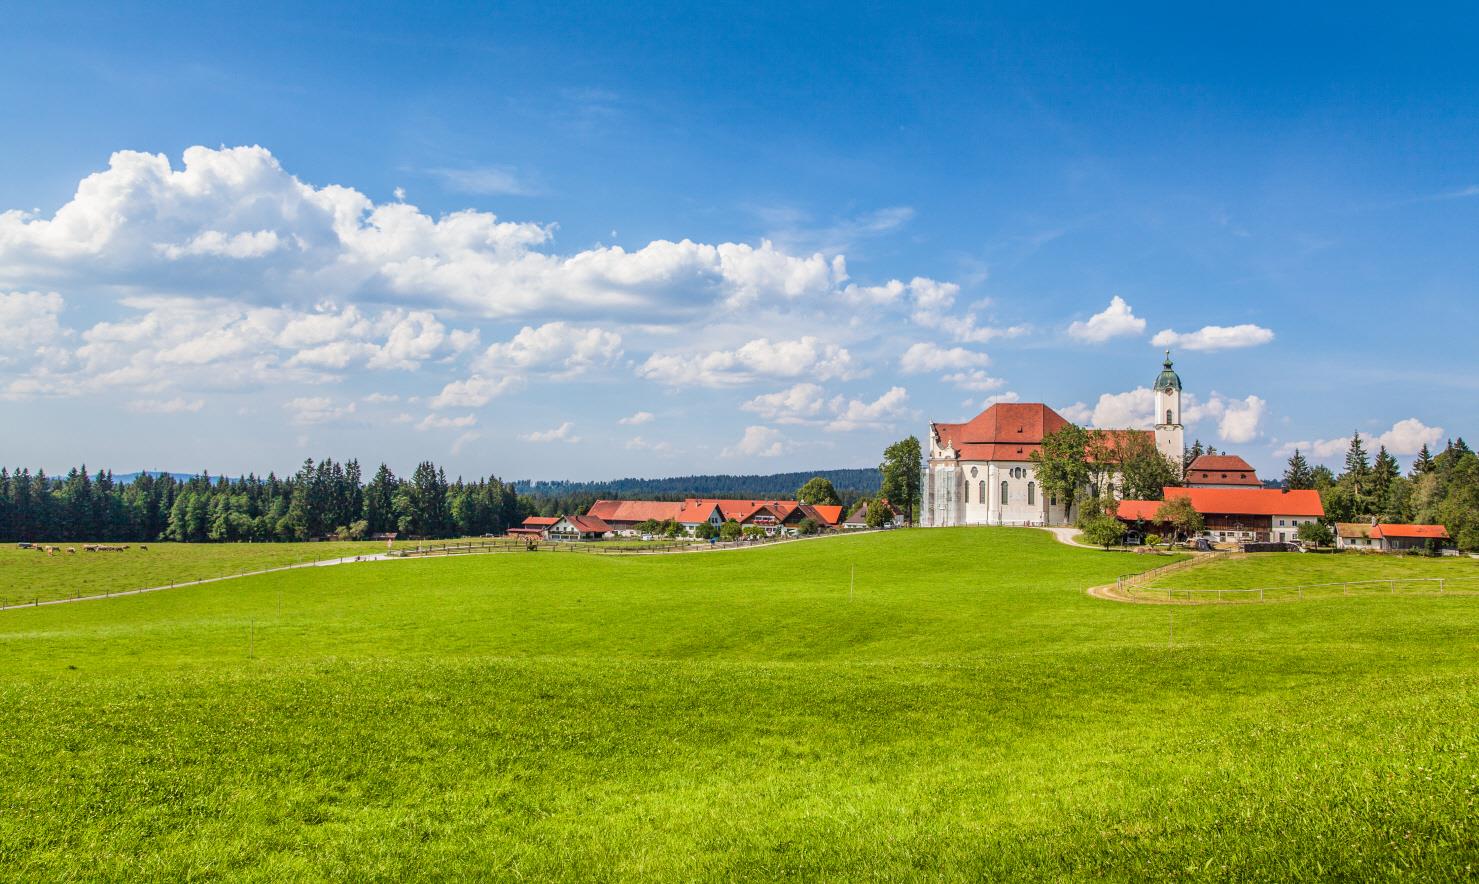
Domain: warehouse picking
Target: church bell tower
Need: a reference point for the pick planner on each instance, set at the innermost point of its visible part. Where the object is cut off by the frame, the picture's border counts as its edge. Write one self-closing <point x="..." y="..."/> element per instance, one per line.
<point x="1170" y="438"/>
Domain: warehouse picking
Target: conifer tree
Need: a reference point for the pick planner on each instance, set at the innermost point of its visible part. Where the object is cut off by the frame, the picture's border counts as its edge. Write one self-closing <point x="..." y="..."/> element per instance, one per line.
<point x="1297" y="475"/>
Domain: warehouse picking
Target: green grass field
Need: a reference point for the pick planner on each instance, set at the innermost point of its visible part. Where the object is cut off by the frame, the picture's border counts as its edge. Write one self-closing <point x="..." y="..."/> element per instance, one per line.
<point x="964" y="710"/>
<point x="1316" y="575"/>
<point x="27" y="575"/>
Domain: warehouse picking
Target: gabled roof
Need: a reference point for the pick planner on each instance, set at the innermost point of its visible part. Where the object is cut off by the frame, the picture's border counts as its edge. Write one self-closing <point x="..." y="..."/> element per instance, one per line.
<point x="1353" y="530"/>
<point x="540" y="521"/>
<point x="636" y="510"/>
<point x="1251" y="501"/>
<point x="588" y="524"/>
<point x="1431" y="532"/>
<point x="1005" y="431"/>
<point x="827" y="514"/>
<point x="742" y="510"/>
<point x="1221" y="469"/>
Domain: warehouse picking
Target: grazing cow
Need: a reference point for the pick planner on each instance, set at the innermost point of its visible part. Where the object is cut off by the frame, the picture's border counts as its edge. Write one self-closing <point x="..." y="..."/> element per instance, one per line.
<point x="144" y="547"/>
<point x="91" y="547"/>
<point x="72" y="550"/>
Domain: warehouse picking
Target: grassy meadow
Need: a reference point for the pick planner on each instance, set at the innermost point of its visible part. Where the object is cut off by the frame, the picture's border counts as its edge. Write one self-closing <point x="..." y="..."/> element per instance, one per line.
<point x="1316" y="575"/>
<point x="960" y="709"/>
<point x="27" y="574"/>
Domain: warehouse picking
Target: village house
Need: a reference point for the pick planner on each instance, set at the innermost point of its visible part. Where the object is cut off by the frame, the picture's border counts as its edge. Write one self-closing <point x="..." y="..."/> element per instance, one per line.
<point x="859" y="517"/>
<point x="1390" y="537"/>
<point x="1248" y="515"/>
<point x="577" y="528"/>
<point x="773" y="516"/>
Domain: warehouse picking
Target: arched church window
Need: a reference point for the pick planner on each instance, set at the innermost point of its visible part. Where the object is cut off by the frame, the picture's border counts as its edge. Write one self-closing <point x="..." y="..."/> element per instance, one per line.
<point x="967" y="492"/>
<point x="1168" y="415"/>
<point x="982" y="489"/>
<point x="1003" y="493"/>
<point x="1031" y="493"/>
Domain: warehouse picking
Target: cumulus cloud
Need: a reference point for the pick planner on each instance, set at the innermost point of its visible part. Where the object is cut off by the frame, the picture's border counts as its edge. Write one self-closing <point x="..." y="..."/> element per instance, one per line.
<point x="30" y="321"/>
<point x="1241" y="419"/>
<point x="807" y="403"/>
<point x="853" y="414"/>
<point x="1113" y="321"/>
<point x="1406" y="437"/>
<point x="473" y="392"/>
<point x="757" y="442"/>
<point x="1238" y="420"/>
<point x="761" y="358"/>
<point x="1214" y="337"/>
<point x="927" y="356"/>
<point x="248" y="229"/>
<point x="557" y="347"/>
<point x="563" y="433"/>
<point x="177" y="405"/>
<point x="641" y="417"/>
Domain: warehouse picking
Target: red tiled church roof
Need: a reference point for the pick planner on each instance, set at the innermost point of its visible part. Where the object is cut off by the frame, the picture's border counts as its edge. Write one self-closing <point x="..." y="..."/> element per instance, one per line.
<point x="1010" y="431"/>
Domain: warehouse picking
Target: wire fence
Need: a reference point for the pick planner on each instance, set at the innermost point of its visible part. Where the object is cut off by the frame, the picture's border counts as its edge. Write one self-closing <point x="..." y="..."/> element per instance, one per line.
<point x="1126" y="582"/>
<point x="587" y="547"/>
<point x="1300" y="591"/>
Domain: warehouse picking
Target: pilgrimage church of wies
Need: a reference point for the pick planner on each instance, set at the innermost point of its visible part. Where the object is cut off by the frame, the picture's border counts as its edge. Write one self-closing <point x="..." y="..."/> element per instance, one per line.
<point x="981" y="472"/>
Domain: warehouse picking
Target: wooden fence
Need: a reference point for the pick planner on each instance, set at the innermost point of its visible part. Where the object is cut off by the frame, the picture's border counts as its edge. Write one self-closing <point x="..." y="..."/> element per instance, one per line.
<point x="1295" y="592"/>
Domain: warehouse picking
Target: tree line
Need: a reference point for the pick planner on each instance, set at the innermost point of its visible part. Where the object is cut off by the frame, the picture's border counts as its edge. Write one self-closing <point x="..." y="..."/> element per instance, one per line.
<point x="322" y="499"/>
<point x="1441" y="489"/>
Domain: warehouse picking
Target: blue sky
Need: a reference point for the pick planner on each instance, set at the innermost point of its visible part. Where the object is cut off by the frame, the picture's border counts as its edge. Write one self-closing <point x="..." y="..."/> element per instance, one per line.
<point x="590" y="241"/>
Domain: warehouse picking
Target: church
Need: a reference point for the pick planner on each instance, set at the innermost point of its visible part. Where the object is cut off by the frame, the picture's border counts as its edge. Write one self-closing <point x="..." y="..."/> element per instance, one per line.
<point x="981" y="472"/>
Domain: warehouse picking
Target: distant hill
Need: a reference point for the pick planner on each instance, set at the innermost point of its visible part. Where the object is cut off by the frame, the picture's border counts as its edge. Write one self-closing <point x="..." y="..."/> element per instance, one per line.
<point x="127" y="478"/>
<point x="850" y="484"/>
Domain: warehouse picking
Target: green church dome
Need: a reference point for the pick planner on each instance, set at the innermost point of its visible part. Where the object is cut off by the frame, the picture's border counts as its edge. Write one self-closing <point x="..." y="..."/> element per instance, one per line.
<point x="1168" y="379"/>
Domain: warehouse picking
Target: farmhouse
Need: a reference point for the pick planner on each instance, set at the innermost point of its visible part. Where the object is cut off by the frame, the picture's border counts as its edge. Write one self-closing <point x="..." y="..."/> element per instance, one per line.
<point x="534" y="526"/>
<point x="577" y="528"/>
<point x="774" y="516"/>
<point x="859" y="517"/>
<point x="1237" y="514"/>
<point x="1221" y="471"/>
<point x="981" y="472"/>
<point x="1389" y="537"/>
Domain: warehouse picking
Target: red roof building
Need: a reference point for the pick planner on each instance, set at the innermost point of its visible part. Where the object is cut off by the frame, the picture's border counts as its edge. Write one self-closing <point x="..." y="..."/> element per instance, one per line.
<point x="1220" y="471"/>
<point x="1237" y="514"/>
<point x="1389" y="537"/>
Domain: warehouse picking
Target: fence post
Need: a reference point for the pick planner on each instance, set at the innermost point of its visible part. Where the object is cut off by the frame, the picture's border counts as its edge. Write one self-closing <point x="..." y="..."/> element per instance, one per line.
<point x="1260" y="593"/>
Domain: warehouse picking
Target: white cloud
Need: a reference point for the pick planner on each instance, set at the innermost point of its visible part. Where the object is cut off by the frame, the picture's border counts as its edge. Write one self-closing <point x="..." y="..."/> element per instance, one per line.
<point x="214" y="243"/>
<point x="797" y="404"/>
<point x="232" y="223"/>
<point x="176" y="405"/>
<point x="563" y="433"/>
<point x="1238" y="420"/>
<point x="474" y="392"/>
<point x="757" y="442"/>
<point x="1214" y="337"/>
<point x="444" y="422"/>
<point x="807" y="403"/>
<point x="564" y="349"/>
<point x="1409" y="436"/>
<point x="926" y="356"/>
<point x="381" y="398"/>
<point x="1114" y="321"/>
<point x="1079" y="413"/>
<point x="1406" y="437"/>
<point x="974" y="379"/>
<point x="641" y="417"/>
<point x="317" y="410"/>
<point x="1241" y="419"/>
<point x="853" y="414"/>
<point x="29" y="320"/>
<point x="760" y="358"/>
